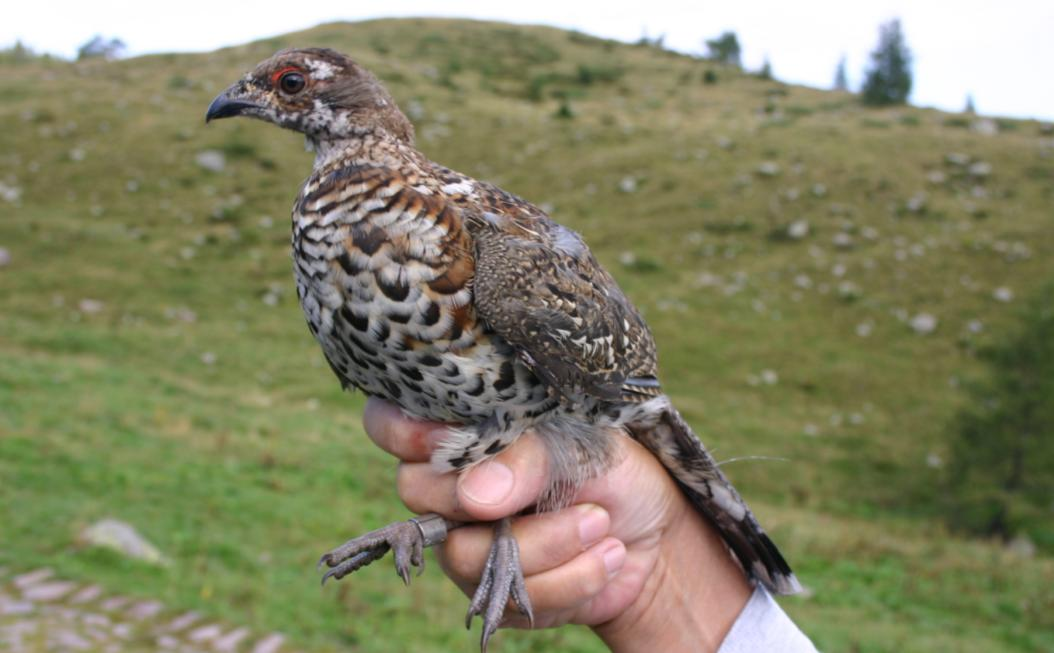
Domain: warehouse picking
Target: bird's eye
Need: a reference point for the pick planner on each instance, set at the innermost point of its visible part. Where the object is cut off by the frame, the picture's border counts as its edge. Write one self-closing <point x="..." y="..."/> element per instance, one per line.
<point x="291" y="82"/>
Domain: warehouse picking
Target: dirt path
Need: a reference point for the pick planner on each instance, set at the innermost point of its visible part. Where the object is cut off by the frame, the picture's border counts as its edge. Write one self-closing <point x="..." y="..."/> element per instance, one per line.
<point x="39" y="613"/>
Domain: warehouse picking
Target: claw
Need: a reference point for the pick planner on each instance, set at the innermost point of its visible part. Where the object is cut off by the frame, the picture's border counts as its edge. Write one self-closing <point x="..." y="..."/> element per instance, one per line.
<point x="407" y="539"/>
<point x="502" y="579"/>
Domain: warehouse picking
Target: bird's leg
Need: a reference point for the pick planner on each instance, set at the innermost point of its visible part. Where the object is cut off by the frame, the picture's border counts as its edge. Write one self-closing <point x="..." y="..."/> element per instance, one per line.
<point x="502" y="579"/>
<point x="408" y="539"/>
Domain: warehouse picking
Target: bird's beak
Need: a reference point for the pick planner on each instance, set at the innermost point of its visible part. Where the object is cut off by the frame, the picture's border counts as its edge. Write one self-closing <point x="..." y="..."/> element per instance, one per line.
<point x="229" y="103"/>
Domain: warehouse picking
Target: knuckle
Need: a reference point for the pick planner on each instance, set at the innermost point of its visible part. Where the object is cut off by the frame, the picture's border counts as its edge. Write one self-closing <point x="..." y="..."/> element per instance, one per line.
<point x="594" y="578"/>
<point x="408" y="488"/>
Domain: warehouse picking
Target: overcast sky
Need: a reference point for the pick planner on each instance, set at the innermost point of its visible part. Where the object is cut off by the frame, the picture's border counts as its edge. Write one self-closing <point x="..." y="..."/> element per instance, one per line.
<point x="1000" y="52"/>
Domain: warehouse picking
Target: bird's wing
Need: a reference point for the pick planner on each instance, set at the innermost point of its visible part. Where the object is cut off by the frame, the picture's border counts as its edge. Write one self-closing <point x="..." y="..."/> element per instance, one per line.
<point x="539" y="287"/>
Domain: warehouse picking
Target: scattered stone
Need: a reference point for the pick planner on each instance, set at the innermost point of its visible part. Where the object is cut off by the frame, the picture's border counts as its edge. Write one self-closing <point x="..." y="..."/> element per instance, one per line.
<point x="182" y="621"/>
<point x="229" y="642"/>
<point x="769" y="377"/>
<point x="768" y="169"/>
<point x="123" y="538"/>
<point x="798" y="229"/>
<point x="819" y="190"/>
<point x="99" y="620"/>
<point x="144" y="610"/>
<point x="69" y="640"/>
<point x="957" y="159"/>
<point x="628" y="184"/>
<point x="48" y="591"/>
<point x="985" y="127"/>
<point x="77" y="154"/>
<point x="167" y="642"/>
<point x="23" y="581"/>
<point x="89" y="593"/>
<point x="208" y="358"/>
<point x="181" y="314"/>
<point x="1003" y="294"/>
<point x="211" y="160"/>
<point x="707" y="280"/>
<point x="811" y="430"/>
<point x="10" y="193"/>
<point x="1022" y="546"/>
<point x="9" y="606"/>
<point x="90" y="306"/>
<point x="205" y="633"/>
<point x="975" y="326"/>
<point x="936" y="177"/>
<point x="934" y="461"/>
<point x="124" y="631"/>
<point x="114" y="603"/>
<point x="980" y="169"/>
<point x="269" y="644"/>
<point x="864" y="329"/>
<point x="842" y="240"/>
<point x="415" y="110"/>
<point x="916" y="203"/>
<point x="924" y="323"/>
<point x="849" y="291"/>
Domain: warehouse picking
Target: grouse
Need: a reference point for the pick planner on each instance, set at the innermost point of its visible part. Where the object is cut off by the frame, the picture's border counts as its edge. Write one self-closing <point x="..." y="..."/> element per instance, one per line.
<point x="463" y="303"/>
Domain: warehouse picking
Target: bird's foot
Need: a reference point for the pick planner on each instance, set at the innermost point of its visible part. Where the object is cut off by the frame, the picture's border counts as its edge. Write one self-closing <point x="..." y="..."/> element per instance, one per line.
<point x="502" y="579"/>
<point x="408" y="539"/>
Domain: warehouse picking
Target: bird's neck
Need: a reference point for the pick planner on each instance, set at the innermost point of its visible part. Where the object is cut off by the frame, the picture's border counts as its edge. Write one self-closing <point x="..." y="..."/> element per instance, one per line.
<point x="374" y="148"/>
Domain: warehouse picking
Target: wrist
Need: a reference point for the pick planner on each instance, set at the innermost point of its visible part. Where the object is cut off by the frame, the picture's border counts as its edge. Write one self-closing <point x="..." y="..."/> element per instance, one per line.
<point x="690" y="599"/>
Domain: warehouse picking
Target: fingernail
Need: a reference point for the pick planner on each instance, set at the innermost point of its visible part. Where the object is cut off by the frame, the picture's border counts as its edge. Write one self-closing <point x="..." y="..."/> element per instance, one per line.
<point x="592" y="524"/>
<point x="488" y="484"/>
<point x="614" y="557"/>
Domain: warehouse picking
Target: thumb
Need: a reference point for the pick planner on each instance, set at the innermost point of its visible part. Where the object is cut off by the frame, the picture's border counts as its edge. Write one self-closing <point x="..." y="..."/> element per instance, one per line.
<point x="505" y="485"/>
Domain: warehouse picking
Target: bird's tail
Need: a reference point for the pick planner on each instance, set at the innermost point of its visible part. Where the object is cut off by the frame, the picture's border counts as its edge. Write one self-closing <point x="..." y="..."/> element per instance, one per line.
<point x="668" y="436"/>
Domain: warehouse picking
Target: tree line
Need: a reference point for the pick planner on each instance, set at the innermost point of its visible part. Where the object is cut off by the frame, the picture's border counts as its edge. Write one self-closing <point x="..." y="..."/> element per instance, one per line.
<point x="887" y="79"/>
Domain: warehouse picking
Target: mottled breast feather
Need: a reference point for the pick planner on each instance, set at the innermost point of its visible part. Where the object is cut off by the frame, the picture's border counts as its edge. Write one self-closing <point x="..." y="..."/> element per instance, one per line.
<point x="384" y="271"/>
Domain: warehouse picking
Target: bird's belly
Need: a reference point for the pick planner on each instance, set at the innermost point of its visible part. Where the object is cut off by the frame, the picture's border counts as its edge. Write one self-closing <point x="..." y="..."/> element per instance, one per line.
<point x="403" y="352"/>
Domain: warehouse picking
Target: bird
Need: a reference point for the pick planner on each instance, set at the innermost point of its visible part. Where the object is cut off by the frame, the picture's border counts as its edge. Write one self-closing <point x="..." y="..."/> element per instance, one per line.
<point x="463" y="303"/>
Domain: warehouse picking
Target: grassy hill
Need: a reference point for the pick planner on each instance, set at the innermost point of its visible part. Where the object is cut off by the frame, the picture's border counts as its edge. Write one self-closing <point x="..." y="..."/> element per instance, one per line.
<point x="818" y="277"/>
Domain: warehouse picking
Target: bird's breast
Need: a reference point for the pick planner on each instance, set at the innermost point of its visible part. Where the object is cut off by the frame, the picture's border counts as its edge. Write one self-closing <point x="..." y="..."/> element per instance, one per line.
<point x="394" y="316"/>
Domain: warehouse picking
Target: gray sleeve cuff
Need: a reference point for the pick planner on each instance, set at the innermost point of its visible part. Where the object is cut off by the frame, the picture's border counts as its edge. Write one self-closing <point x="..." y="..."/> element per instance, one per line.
<point x="764" y="626"/>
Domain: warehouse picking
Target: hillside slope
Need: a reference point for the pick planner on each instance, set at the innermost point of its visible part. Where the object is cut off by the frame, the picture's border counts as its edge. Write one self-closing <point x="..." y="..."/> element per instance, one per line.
<point x="818" y="277"/>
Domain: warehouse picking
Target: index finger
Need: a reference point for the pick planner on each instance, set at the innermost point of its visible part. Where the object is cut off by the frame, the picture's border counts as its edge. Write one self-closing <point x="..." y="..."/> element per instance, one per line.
<point x="408" y="439"/>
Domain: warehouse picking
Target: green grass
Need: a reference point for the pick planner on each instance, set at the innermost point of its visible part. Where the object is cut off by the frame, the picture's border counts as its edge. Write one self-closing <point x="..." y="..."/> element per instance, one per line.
<point x="245" y="469"/>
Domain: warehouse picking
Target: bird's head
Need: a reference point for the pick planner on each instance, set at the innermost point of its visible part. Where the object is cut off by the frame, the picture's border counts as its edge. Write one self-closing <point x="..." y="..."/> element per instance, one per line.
<point x="318" y="92"/>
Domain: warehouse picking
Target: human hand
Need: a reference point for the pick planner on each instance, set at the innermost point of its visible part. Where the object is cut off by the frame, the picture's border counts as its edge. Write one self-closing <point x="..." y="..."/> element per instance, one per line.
<point x="630" y="558"/>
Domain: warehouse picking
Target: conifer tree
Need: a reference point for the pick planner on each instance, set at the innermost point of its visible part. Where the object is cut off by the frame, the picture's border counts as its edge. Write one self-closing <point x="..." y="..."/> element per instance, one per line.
<point x="887" y="80"/>
<point x="724" y="49"/>
<point x="841" y="78"/>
